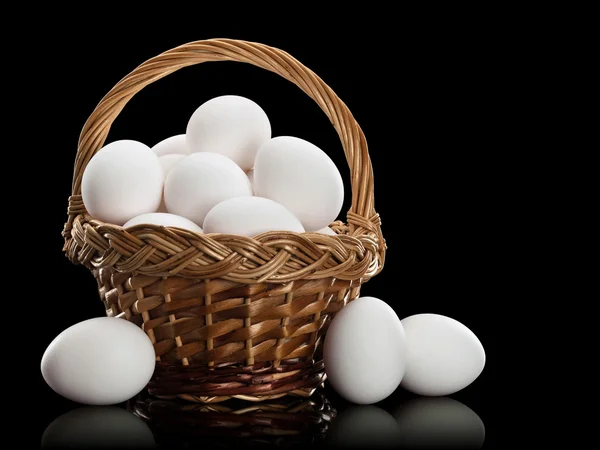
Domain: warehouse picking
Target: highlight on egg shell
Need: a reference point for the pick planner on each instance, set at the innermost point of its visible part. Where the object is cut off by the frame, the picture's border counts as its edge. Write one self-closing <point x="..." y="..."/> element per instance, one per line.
<point x="250" y="216"/>
<point x="364" y="351"/>
<point x="174" y="145"/>
<point x="100" y="361"/>
<point x="443" y="356"/>
<point x="123" y="180"/>
<point x="165" y="220"/>
<point x="230" y="125"/>
<point x="200" y="181"/>
<point x="301" y="177"/>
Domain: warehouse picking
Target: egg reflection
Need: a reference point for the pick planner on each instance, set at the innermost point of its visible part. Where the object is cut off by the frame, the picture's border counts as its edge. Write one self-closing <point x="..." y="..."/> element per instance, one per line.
<point x="438" y="422"/>
<point x="98" y="427"/>
<point x="364" y="427"/>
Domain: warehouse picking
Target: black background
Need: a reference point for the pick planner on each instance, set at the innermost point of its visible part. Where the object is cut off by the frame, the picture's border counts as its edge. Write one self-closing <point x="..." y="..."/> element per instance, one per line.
<point x="428" y="99"/>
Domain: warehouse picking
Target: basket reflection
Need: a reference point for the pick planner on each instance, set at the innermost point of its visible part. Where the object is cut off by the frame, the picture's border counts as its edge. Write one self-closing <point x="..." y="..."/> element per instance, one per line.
<point x="284" y="421"/>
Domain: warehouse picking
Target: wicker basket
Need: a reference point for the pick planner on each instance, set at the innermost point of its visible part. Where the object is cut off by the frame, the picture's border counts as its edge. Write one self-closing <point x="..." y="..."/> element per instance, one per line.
<point x="229" y="316"/>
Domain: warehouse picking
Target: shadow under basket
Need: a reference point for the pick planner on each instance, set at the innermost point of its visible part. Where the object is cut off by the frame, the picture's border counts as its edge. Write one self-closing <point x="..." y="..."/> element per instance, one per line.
<point x="229" y="316"/>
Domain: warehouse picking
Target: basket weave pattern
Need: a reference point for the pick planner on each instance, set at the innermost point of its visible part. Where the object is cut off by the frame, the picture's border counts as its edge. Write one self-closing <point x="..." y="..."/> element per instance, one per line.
<point x="229" y="316"/>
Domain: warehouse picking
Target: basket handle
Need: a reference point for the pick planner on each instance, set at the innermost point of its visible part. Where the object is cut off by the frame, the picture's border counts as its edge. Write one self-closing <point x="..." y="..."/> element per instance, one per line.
<point x="361" y="216"/>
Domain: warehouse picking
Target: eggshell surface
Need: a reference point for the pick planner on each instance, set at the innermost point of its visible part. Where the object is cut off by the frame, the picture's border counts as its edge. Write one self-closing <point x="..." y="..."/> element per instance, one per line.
<point x="123" y="180"/>
<point x="172" y="145"/>
<point x="200" y="181"/>
<point x="167" y="162"/>
<point x="249" y="216"/>
<point x="443" y="356"/>
<point x="327" y="230"/>
<point x="301" y="177"/>
<point x="364" y="351"/>
<point x="100" y="361"/>
<point x="230" y="125"/>
<point x="164" y="219"/>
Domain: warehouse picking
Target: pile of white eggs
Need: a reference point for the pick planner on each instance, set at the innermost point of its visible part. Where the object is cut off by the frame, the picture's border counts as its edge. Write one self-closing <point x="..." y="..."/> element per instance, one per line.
<point x="225" y="174"/>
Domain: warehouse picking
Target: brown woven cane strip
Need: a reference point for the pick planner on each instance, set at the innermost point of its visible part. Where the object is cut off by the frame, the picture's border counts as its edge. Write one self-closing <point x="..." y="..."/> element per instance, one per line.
<point x="284" y="322"/>
<point x="247" y="325"/>
<point x="208" y="318"/>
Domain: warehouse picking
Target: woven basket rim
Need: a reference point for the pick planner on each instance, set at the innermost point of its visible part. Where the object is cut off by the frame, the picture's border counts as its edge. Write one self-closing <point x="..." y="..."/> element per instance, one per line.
<point x="357" y="251"/>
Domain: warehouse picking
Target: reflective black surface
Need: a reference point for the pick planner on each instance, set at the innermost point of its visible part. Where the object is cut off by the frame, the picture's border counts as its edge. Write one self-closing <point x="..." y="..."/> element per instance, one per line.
<point x="324" y="420"/>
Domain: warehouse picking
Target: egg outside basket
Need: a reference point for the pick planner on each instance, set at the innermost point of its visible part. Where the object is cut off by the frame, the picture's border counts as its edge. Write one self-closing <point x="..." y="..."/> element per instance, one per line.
<point x="229" y="316"/>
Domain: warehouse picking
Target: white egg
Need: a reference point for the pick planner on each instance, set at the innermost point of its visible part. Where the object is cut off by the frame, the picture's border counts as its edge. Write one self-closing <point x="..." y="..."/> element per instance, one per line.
<point x="231" y="125"/>
<point x="302" y="178"/>
<point x="123" y="180"/>
<point x="200" y="181"/>
<point x="167" y="162"/>
<point x="98" y="427"/>
<point x="172" y="145"/>
<point x="100" y="361"/>
<point x="364" y="351"/>
<point x="327" y="230"/>
<point x="443" y="356"/>
<point x="249" y="216"/>
<point x="164" y="219"/>
<point x="438" y="422"/>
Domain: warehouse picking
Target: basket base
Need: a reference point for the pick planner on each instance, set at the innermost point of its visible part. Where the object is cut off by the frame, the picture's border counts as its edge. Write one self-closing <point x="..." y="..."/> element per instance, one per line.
<point x="257" y="383"/>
